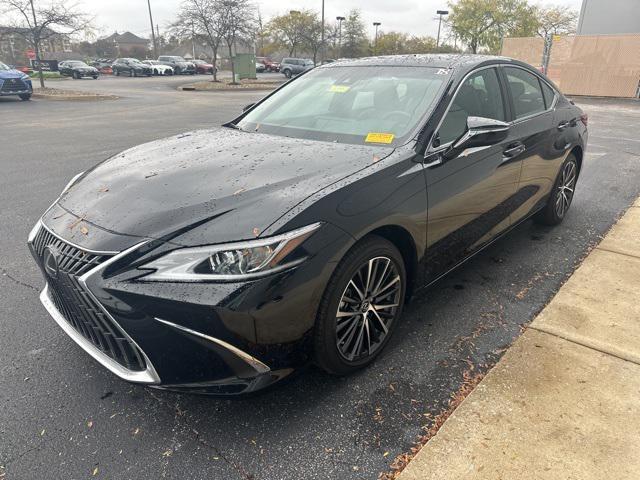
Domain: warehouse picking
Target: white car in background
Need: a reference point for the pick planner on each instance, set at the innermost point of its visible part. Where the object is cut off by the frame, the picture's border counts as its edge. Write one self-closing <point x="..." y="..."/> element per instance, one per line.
<point x="159" y="68"/>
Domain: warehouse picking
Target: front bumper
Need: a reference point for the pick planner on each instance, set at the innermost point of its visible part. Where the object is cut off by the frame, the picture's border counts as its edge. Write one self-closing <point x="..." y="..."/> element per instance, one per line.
<point x="211" y="338"/>
<point x="15" y="87"/>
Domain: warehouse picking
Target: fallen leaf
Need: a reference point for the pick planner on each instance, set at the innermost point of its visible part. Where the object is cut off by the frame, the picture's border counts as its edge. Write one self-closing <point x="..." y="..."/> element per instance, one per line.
<point x="167" y="453"/>
<point x="95" y="472"/>
<point x="256" y="231"/>
<point x="385" y="454"/>
<point x="136" y="431"/>
<point x="89" y="424"/>
<point x="239" y="191"/>
<point x="42" y="432"/>
<point x="103" y="189"/>
<point x="84" y="230"/>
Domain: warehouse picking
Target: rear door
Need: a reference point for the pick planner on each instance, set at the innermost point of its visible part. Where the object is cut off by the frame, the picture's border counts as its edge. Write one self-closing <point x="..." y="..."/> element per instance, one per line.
<point x="533" y="128"/>
<point x="471" y="197"/>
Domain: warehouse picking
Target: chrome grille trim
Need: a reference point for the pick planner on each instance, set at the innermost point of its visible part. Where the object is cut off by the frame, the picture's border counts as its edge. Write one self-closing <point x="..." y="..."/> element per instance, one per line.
<point x="82" y="316"/>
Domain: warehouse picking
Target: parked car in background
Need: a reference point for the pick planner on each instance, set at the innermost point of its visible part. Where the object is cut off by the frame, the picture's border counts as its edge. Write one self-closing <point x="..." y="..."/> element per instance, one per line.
<point x="103" y="65"/>
<point x="260" y="68"/>
<point x="159" y="68"/>
<point x="179" y="64"/>
<point x="269" y="64"/>
<point x="77" y="69"/>
<point x="131" y="67"/>
<point x="23" y="69"/>
<point x="295" y="66"/>
<point x="14" y="82"/>
<point x="203" y="67"/>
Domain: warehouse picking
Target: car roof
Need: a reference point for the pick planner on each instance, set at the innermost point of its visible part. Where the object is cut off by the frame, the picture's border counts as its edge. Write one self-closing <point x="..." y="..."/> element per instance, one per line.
<point x="436" y="60"/>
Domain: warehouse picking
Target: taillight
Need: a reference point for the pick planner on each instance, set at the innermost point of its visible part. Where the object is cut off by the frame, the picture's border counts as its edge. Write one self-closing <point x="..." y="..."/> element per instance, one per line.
<point x="584" y="118"/>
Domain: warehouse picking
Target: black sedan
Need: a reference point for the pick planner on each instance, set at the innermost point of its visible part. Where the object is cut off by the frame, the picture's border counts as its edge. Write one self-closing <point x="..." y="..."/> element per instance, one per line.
<point x="131" y="67"/>
<point x="77" y="69"/>
<point x="221" y="260"/>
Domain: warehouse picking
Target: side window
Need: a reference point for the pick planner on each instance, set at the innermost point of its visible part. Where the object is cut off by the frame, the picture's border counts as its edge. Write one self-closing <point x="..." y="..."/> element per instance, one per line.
<point x="478" y="96"/>
<point x="548" y="94"/>
<point x="526" y="92"/>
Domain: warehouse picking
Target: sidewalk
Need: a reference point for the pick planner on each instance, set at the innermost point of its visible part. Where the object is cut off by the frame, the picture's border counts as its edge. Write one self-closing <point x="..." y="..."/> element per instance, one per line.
<point x="564" y="401"/>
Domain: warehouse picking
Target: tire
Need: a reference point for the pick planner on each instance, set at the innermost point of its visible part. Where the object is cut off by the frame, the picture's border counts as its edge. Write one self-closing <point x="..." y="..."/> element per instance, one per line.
<point x="178" y="71"/>
<point x="76" y="76"/>
<point x="561" y="196"/>
<point x="287" y="73"/>
<point x="95" y="77"/>
<point x="116" y="72"/>
<point x="132" y="73"/>
<point x="25" y="97"/>
<point x="169" y="72"/>
<point x="336" y="338"/>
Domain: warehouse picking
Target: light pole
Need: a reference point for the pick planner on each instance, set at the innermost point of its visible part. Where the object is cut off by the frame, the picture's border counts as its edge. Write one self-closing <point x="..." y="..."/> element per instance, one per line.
<point x="322" y="37"/>
<point x="375" y="45"/>
<point x="440" y="14"/>
<point x="153" y="33"/>
<point x="340" y="20"/>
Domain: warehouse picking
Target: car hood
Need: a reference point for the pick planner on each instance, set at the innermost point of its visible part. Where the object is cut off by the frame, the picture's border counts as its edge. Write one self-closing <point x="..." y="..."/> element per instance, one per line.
<point x="8" y="74"/>
<point x="237" y="183"/>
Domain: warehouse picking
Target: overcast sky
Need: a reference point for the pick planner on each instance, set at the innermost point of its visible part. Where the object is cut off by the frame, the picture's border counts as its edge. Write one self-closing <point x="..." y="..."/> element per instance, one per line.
<point x="416" y="17"/>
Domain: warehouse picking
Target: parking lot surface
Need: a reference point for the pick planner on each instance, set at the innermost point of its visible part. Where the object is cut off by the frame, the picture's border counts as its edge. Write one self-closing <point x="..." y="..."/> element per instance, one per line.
<point x="64" y="416"/>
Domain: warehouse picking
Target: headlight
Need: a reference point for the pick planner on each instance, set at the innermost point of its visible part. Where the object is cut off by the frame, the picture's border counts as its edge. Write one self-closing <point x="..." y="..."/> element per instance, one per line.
<point x="231" y="261"/>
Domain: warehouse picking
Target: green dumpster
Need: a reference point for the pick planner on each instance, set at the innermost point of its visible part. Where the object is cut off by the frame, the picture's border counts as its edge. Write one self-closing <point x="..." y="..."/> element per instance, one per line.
<point x="245" y="65"/>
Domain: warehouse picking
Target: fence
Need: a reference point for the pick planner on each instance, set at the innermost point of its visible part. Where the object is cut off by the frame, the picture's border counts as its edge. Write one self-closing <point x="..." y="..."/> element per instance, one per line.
<point x="598" y="65"/>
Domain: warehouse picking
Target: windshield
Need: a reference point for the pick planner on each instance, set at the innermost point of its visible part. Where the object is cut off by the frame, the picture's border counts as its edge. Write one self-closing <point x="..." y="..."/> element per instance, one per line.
<point x="3" y="67"/>
<point x="350" y="104"/>
<point x="78" y="64"/>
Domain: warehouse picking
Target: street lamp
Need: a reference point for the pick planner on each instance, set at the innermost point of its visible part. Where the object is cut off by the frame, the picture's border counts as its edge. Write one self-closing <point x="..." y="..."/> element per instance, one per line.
<point x="322" y="37"/>
<point x="340" y="20"/>
<point x="375" y="45"/>
<point x="440" y="14"/>
<point x="153" y="34"/>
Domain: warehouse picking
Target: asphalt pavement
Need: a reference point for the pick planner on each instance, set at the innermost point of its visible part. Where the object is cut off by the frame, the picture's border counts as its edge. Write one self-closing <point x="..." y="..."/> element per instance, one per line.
<point x="63" y="416"/>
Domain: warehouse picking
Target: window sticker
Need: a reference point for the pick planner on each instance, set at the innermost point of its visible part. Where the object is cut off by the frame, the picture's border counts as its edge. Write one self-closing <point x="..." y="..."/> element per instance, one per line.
<point x="375" y="137"/>
<point x="339" y="88"/>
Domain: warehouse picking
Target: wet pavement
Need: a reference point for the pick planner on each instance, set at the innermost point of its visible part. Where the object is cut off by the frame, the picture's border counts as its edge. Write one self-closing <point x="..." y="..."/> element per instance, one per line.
<point x="64" y="416"/>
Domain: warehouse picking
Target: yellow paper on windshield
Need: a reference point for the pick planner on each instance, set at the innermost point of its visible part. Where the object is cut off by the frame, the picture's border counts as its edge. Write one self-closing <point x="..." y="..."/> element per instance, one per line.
<point x="379" y="137"/>
<point x="339" y="88"/>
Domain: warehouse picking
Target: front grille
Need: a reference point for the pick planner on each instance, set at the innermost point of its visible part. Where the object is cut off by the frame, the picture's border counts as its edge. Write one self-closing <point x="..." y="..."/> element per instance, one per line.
<point x="78" y="307"/>
<point x="13" y="85"/>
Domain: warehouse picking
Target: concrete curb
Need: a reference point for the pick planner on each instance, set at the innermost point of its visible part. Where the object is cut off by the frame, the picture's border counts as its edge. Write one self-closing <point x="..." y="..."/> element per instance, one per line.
<point x="74" y="98"/>
<point x="563" y="401"/>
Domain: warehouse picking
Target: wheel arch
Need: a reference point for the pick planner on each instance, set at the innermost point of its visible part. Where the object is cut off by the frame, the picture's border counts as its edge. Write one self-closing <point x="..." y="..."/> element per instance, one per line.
<point x="404" y="242"/>
<point x="578" y="152"/>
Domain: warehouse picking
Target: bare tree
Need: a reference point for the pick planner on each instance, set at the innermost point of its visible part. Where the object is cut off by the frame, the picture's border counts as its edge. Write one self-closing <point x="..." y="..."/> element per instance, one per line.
<point x="38" y="21"/>
<point x="206" y="19"/>
<point x="239" y="23"/>
<point x="556" y="21"/>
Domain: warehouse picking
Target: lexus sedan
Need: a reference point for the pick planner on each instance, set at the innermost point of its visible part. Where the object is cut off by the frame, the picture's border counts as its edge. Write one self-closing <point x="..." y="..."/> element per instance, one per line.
<point x="131" y="67"/>
<point x="219" y="261"/>
<point x="180" y="65"/>
<point x="158" y="68"/>
<point x="77" y="69"/>
<point x="203" y="67"/>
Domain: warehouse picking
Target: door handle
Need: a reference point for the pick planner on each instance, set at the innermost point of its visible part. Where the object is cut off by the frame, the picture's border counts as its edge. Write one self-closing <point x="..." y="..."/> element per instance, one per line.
<point x="514" y="149"/>
<point x="562" y="125"/>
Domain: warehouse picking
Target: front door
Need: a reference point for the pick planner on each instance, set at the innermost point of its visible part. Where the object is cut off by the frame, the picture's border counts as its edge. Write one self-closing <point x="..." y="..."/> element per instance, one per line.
<point x="472" y="196"/>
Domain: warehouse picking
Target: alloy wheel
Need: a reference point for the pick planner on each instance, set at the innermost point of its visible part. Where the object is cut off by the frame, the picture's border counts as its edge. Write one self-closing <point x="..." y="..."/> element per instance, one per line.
<point x="565" y="189"/>
<point x="367" y="308"/>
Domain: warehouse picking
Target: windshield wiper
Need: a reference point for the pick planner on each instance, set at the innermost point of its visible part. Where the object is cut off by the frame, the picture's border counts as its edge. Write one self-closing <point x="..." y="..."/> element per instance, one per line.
<point x="235" y="127"/>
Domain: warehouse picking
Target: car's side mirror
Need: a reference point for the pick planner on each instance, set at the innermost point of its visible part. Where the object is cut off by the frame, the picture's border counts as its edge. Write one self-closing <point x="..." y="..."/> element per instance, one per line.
<point x="247" y="107"/>
<point x="480" y="132"/>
